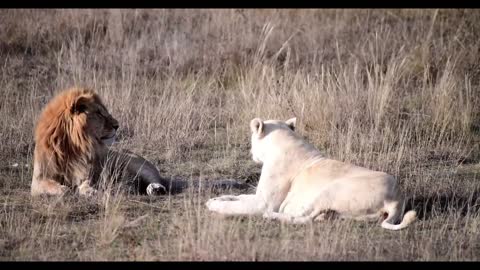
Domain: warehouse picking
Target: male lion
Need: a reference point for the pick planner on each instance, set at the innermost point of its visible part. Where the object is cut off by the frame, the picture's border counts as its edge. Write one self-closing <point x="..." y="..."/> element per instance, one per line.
<point x="71" y="148"/>
<point x="298" y="185"/>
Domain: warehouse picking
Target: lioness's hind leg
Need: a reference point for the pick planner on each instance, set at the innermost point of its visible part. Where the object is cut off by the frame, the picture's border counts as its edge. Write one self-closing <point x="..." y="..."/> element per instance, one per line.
<point x="319" y="215"/>
<point x="371" y="217"/>
<point x="326" y="215"/>
<point x="394" y="210"/>
<point x="286" y="218"/>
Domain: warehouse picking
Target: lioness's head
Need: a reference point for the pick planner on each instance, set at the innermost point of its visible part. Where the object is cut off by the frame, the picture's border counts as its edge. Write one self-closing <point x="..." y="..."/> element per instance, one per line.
<point x="262" y="133"/>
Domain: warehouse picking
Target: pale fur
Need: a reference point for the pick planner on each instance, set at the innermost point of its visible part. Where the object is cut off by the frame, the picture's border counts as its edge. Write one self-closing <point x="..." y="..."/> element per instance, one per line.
<point x="298" y="184"/>
<point x="71" y="139"/>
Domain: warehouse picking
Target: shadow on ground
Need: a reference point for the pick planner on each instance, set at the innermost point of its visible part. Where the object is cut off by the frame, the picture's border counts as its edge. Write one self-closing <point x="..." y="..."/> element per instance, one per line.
<point x="177" y="185"/>
<point x="428" y="206"/>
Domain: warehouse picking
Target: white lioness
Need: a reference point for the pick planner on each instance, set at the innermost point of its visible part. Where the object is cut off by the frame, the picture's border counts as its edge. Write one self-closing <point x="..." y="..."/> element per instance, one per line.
<point x="298" y="184"/>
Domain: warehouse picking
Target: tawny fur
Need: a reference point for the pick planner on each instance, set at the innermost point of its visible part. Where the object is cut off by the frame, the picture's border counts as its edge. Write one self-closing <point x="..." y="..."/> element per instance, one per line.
<point x="70" y="145"/>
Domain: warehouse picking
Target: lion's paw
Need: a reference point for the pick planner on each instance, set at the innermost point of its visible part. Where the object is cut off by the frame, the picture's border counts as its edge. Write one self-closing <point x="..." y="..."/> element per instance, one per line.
<point x="92" y="192"/>
<point x="88" y="192"/>
<point x="269" y="215"/>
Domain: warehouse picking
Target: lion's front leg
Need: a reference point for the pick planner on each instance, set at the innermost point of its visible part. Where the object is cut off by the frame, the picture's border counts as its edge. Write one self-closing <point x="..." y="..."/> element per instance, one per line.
<point x="240" y="205"/>
<point x="47" y="186"/>
<point x="85" y="189"/>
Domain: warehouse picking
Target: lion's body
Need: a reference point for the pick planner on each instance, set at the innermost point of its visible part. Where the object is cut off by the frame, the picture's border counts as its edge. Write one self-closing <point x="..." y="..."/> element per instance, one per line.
<point x="136" y="172"/>
<point x="70" y="150"/>
<point x="297" y="184"/>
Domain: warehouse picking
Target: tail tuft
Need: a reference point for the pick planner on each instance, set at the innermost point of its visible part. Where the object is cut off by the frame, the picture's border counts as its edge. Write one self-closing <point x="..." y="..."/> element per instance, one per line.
<point x="408" y="218"/>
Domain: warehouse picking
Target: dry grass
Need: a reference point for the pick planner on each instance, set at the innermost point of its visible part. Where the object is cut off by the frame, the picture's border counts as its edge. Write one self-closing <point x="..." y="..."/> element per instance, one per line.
<point x="393" y="90"/>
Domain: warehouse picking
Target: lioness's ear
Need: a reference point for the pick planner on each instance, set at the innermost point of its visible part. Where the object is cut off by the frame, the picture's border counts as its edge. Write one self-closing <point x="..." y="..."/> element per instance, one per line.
<point x="292" y="122"/>
<point x="256" y="125"/>
<point x="80" y="104"/>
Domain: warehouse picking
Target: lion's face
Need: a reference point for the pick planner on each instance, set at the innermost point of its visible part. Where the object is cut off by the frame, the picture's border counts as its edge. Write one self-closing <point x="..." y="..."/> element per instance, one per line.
<point x="73" y="128"/>
<point x="99" y="123"/>
<point x="261" y="141"/>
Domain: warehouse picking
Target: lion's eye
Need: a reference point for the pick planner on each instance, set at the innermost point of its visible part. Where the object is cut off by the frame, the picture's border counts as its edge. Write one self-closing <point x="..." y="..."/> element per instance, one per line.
<point x="81" y="108"/>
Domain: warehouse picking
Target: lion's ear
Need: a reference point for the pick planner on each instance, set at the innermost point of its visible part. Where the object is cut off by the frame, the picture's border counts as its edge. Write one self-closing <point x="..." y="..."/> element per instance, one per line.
<point x="292" y="122"/>
<point x="256" y="125"/>
<point x="80" y="105"/>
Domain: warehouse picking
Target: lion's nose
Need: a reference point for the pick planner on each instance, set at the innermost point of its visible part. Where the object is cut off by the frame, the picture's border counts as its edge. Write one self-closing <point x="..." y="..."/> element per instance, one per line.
<point x="115" y="125"/>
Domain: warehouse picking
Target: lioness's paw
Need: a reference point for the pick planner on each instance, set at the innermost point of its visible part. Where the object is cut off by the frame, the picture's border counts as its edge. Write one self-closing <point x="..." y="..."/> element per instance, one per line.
<point x="155" y="189"/>
<point x="209" y="202"/>
<point x="214" y="205"/>
<point x="269" y="215"/>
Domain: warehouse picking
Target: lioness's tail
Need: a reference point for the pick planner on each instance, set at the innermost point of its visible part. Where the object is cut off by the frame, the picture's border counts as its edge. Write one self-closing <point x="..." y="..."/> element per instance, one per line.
<point x="408" y="218"/>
